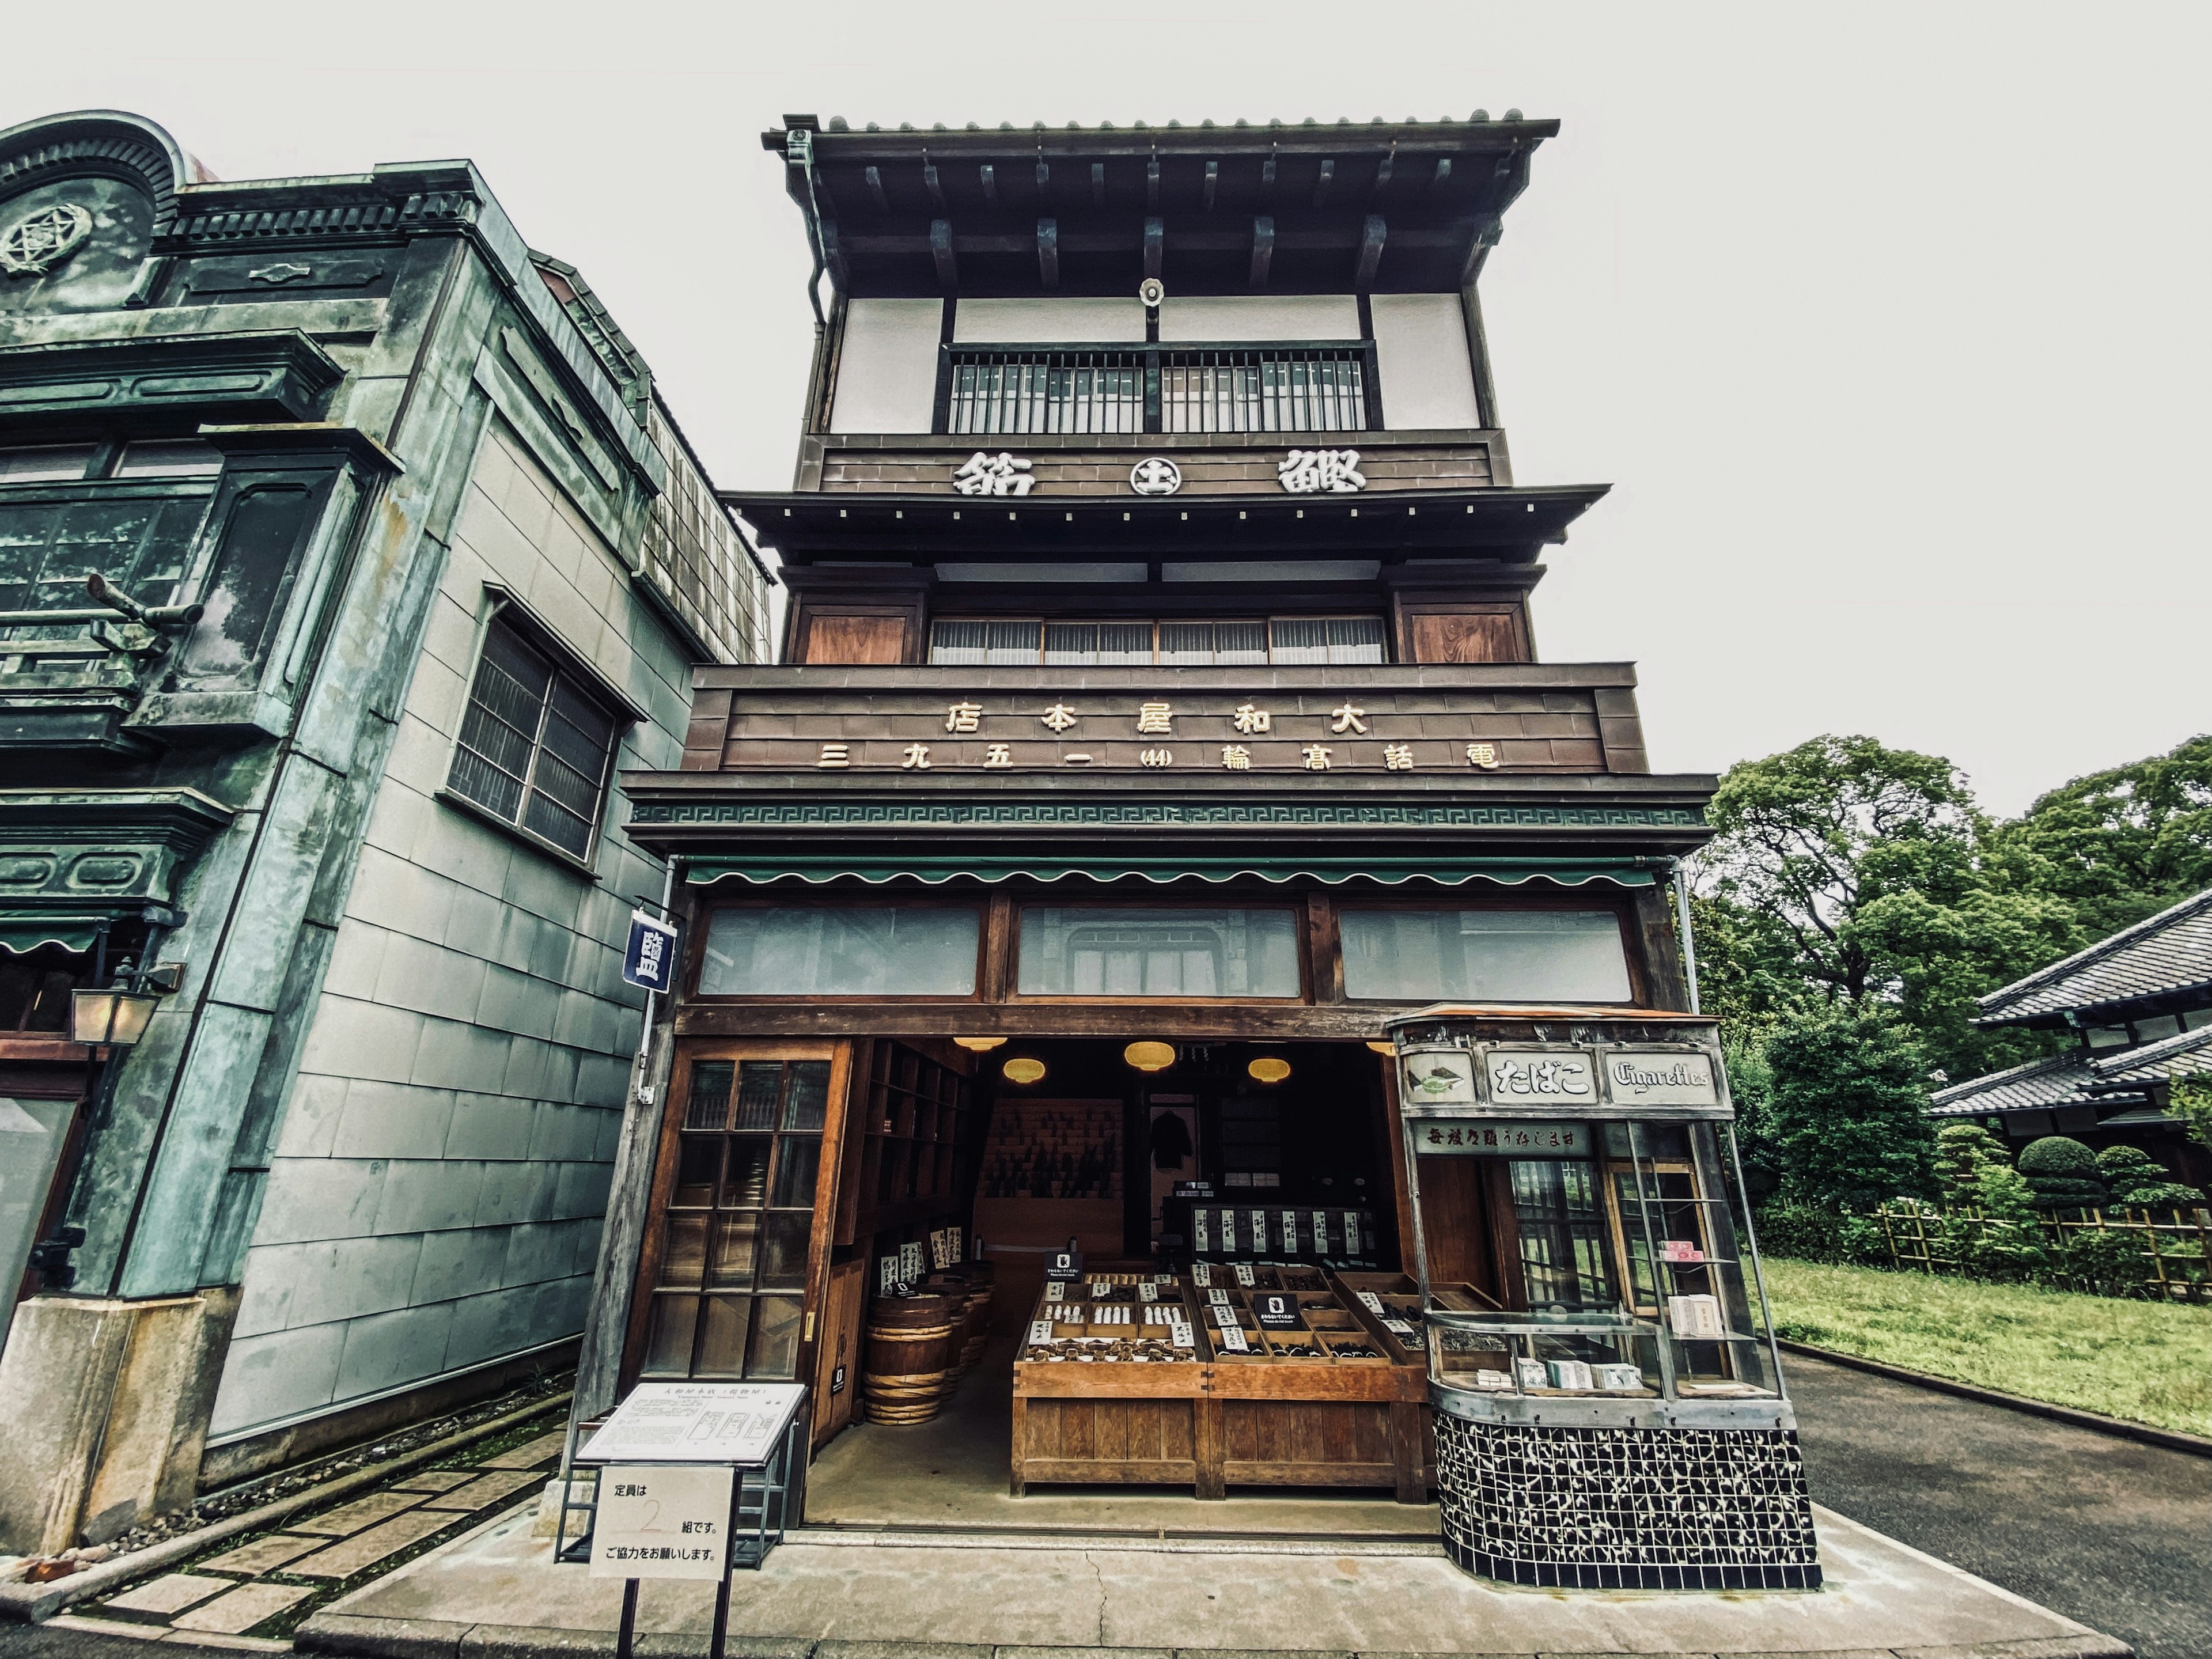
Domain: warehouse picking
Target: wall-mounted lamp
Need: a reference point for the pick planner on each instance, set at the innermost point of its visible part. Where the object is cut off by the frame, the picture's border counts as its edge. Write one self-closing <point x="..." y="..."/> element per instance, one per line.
<point x="116" y="1017"/>
<point x="1390" y="1048"/>
<point x="1269" y="1068"/>
<point x="1150" y="1056"/>
<point x="981" y="1045"/>
<point x="1023" y="1070"/>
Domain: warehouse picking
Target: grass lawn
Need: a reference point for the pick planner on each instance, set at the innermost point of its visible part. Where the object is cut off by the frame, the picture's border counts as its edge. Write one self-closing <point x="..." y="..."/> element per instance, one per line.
<point x="2148" y="1361"/>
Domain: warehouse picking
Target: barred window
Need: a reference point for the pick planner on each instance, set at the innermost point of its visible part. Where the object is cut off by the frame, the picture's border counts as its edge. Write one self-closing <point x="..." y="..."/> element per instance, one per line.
<point x="535" y="746"/>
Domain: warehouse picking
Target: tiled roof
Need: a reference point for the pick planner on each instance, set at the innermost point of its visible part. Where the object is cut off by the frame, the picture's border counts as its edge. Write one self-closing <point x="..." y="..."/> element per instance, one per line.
<point x="2176" y="1056"/>
<point x="2169" y="951"/>
<point x="1479" y="119"/>
<point x="2059" y="1080"/>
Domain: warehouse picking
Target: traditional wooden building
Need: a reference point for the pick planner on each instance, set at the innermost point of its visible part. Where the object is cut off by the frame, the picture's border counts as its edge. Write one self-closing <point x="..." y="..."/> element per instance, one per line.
<point x="2137" y="1008"/>
<point x="1160" y="715"/>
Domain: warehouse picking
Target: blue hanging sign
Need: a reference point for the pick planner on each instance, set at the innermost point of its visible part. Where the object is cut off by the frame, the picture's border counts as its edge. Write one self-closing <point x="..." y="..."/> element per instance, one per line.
<point x="649" y="960"/>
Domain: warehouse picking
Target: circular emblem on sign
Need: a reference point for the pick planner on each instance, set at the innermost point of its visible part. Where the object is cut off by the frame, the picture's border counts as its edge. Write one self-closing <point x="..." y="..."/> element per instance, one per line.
<point x="1156" y="475"/>
<point x="39" y="241"/>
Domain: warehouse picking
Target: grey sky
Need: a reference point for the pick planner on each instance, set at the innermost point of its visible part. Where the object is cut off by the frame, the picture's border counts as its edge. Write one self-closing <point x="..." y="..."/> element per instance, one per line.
<point x="1887" y="323"/>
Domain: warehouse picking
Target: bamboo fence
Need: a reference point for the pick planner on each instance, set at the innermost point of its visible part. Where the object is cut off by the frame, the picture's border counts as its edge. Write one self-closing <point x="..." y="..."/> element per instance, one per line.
<point x="2176" y="1251"/>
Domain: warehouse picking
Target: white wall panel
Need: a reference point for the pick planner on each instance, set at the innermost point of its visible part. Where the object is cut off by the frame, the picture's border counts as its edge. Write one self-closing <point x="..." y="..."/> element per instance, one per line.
<point x="1026" y="322"/>
<point x="1420" y="352"/>
<point x="887" y="369"/>
<point x="1261" y="317"/>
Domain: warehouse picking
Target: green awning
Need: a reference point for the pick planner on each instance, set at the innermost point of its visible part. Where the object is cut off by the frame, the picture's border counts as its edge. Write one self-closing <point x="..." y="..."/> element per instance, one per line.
<point x="931" y="870"/>
<point x="23" y="934"/>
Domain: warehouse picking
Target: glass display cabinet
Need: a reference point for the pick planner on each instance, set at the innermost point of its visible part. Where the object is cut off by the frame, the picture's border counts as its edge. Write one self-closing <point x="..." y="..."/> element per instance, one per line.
<point x="1617" y="1418"/>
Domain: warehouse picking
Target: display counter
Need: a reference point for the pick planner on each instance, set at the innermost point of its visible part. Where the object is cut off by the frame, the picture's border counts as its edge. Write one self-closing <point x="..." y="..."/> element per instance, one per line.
<point x="1616" y="1419"/>
<point x="1255" y="1375"/>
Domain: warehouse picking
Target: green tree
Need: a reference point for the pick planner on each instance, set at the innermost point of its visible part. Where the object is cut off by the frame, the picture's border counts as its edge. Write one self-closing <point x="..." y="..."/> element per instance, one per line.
<point x="2190" y="1100"/>
<point x="1843" y="871"/>
<point x="2123" y="844"/>
<point x="1848" y="1110"/>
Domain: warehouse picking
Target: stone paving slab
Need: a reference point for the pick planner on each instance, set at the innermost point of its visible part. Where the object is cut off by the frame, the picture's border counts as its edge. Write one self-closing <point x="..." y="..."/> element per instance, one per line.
<point x="434" y="1480"/>
<point x="362" y="1513"/>
<point x="530" y="1453"/>
<point x="365" y="1549"/>
<point x="263" y="1554"/>
<point x="172" y="1593"/>
<point x="243" y="1608"/>
<point x="484" y="1489"/>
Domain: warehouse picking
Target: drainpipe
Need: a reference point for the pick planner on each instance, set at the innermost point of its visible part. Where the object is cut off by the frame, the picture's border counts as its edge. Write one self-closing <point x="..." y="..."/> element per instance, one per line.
<point x="798" y="152"/>
<point x="1689" y="942"/>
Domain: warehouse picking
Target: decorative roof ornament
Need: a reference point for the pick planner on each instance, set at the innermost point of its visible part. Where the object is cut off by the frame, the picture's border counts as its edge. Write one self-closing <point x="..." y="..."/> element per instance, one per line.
<point x="38" y="241"/>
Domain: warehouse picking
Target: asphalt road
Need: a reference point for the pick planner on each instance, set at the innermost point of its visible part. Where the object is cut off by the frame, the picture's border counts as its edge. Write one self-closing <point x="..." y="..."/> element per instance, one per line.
<point x="2110" y="1532"/>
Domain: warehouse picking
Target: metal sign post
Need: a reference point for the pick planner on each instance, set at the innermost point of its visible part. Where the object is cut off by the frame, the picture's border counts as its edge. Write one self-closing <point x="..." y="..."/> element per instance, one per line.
<point x="695" y="1480"/>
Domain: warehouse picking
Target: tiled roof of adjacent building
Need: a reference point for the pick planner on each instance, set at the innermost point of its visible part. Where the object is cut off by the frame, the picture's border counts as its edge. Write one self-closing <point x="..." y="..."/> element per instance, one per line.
<point x="2176" y="1056"/>
<point x="2061" y="1080"/>
<point x="2169" y="951"/>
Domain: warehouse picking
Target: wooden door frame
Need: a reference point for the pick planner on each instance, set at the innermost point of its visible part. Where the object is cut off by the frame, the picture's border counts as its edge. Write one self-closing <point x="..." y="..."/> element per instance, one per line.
<point x="689" y="1051"/>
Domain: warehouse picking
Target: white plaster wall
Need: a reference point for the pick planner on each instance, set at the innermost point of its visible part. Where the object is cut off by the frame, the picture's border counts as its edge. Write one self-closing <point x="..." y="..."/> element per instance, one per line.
<point x="887" y="367"/>
<point x="1024" y="322"/>
<point x="1420" y="355"/>
<point x="434" y="1195"/>
<point x="1261" y="317"/>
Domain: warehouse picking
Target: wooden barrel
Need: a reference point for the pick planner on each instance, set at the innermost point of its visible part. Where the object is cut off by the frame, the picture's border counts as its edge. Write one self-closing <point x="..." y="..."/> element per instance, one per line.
<point x="910" y="1353"/>
<point x="976" y="1324"/>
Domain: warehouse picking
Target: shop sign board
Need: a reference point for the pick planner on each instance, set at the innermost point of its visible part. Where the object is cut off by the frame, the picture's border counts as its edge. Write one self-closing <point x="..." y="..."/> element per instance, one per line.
<point x="1492" y="1139"/>
<point x="649" y="959"/>
<point x="1660" y="1077"/>
<point x="1063" y="1267"/>
<point x="1550" y="1076"/>
<point x="662" y="1521"/>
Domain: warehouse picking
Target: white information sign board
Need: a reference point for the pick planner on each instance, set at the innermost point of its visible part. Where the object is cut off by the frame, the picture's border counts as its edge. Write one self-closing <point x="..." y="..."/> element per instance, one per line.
<point x="662" y="1520"/>
<point x="696" y="1423"/>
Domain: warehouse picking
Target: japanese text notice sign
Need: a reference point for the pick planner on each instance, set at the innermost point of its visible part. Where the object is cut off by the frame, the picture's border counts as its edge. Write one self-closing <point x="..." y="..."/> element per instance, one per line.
<point x="662" y="1520"/>
<point x="696" y="1423"/>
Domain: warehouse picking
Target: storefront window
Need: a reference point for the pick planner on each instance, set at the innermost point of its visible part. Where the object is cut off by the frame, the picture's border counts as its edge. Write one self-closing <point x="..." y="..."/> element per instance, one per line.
<point x="1487" y="955"/>
<point x="796" y="950"/>
<point x="1106" y="952"/>
<point x="740" y="1219"/>
<point x="1562" y="1226"/>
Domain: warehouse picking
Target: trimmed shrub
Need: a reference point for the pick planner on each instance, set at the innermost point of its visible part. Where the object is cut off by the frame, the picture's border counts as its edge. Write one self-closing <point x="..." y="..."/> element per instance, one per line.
<point x="2138" y="1182"/>
<point x="1963" y="1150"/>
<point x="2063" y="1174"/>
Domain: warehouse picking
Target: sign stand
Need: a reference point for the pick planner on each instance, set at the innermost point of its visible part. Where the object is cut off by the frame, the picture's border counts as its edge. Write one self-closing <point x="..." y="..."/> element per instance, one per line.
<point x="693" y="1480"/>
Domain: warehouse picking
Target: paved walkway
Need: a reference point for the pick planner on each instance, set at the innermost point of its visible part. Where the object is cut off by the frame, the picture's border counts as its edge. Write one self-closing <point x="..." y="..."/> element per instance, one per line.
<point x="2114" y="1533"/>
<point x="839" y="1595"/>
<point x="264" y="1586"/>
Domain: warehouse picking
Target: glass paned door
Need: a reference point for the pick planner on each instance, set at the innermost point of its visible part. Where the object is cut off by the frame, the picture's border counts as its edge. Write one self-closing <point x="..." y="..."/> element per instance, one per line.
<point x="729" y="1293"/>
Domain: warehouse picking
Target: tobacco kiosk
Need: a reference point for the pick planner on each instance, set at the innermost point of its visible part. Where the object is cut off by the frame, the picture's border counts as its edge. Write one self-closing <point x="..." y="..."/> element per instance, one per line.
<point x="1623" y="1424"/>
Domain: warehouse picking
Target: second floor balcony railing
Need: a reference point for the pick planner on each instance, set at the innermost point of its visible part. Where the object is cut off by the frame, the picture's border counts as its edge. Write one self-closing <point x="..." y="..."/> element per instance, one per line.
<point x="1314" y="386"/>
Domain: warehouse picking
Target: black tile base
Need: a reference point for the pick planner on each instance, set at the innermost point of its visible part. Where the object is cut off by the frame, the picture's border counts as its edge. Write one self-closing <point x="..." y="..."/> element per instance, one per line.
<point x="1626" y="1509"/>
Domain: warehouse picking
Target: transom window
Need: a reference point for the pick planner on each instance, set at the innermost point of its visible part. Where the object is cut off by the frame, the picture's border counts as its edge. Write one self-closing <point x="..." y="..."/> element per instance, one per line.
<point x="1025" y="642"/>
<point x="163" y="458"/>
<point x="535" y="746"/>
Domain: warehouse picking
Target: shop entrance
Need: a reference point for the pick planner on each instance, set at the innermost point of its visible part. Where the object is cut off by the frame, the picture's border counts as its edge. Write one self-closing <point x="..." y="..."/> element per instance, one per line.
<point x="1137" y="1157"/>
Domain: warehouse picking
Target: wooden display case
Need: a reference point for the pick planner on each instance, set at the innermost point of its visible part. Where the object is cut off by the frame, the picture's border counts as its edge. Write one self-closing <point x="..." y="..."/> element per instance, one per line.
<point x="1325" y="1404"/>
